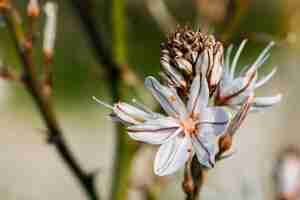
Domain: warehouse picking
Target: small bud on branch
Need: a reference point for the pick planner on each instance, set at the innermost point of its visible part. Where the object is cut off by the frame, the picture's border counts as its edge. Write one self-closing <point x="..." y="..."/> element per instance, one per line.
<point x="4" y="4"/>
<point x="33" y="8"/>
<point x="50" y="29"/>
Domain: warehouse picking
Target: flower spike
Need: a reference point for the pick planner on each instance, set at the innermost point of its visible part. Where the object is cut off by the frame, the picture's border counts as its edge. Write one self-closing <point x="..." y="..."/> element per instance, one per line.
<point x="194" y="72"/>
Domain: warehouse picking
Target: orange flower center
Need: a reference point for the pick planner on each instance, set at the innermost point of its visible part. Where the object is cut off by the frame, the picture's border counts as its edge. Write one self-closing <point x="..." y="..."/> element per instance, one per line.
<point x="189" y="126"/>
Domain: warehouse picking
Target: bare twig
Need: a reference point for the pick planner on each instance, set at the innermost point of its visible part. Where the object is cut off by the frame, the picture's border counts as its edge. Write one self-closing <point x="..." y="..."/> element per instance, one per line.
<point x="34" y="87"/>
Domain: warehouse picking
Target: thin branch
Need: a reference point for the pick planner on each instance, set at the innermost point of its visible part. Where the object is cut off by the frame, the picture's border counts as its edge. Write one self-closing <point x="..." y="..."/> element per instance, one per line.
<point x="117" y="72"/>
<point x="34" y="87"/>
<point x="102" y="52"/>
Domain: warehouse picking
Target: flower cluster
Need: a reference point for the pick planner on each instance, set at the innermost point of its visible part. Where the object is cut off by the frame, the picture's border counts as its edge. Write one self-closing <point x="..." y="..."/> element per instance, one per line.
<point x="195" y="89"/>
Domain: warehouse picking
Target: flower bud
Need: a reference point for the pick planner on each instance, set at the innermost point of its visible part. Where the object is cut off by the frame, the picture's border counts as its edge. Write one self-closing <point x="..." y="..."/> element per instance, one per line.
<point x="33" y="8"/>
<point x="4" y="4"/>
<point x="187" y="53"/>
<point x="215" y="73"/>
<point x="50" y="29"/>
<point x="172" y="74"/>
<point x="184" y="65"/>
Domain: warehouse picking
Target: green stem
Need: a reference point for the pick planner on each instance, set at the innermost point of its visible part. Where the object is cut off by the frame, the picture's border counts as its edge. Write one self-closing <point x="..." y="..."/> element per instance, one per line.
<point x="125" y="148"/>
<point x="115" y="66"/>
<point x="234" y="18"/>
<point x="119" y="31"/>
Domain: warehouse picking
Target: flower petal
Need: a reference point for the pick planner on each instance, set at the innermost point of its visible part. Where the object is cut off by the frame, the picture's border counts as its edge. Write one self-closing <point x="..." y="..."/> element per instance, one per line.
<point x="141" y="106"/>
<point x="262" y="57"/>
<point x="227" y="58"/>
<point x="168" y="98"/>
<point x="266" y="102"/>
<point x="217" y="69"/>
<point x="238" y="90"/>
<point x="203" y="62"/>
<point x="239" y="117"/>
<point x="241" y="97"/>
<point x="236" y="58"/>
<point x="265" y="79"/>
<point x="214" y="119"/>
<point x="199" y="94"/>
<point x="184" y="65"/>
<point x="206" y="148"/>
<point x="171" y="72"/>
<point x="171" y="156"/>
<point x="233" y="87"/>
<point x="156" y="131"/>
<point x="131" y="114"/>
<point x="214" y="128"/>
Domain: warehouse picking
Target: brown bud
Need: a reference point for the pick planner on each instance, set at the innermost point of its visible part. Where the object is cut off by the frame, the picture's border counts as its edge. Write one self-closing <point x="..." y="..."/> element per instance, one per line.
<point x="187" y="53"/>
<point x="4" y="4"/>
<point x="33" y="8"/>
<point x="225" y="143"/>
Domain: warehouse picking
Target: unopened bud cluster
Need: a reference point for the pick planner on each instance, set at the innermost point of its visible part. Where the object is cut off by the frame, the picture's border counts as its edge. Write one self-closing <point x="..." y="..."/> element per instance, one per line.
<point x="187" y="53"/>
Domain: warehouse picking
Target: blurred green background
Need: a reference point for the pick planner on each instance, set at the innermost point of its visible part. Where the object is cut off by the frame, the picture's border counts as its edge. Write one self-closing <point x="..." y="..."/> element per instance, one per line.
<point x="30" y="169"/>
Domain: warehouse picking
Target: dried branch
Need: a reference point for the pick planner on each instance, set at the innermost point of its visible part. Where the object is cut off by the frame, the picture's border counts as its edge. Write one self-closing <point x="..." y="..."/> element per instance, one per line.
<point x="34" y="87"/>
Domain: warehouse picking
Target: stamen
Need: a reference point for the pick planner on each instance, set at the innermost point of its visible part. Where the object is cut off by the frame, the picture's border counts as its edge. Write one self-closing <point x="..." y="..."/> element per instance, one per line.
<point x="102" y="103"/>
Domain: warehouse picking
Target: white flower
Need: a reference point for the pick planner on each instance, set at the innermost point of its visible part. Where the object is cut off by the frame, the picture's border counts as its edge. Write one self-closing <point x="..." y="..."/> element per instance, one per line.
<point x="187" y="130"/>
<point x="232" y="91"/>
